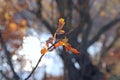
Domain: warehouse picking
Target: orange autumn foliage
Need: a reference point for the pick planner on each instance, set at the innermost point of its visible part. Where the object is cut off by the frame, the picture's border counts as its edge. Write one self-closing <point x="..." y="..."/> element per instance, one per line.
<point x="24" y="22"/>
<point x="13" y="26"/>
<point x="66" y="45"/>
<point x="43" y="51"/>
<point x="59" y="43"/>
<point x="60" y="26"/>
<point x="60" y="32"/>
<point x="62" y="42"/>
<point x="61" y="22"/>
<point x="74" y="50"/>
<point x="49" y="41"/>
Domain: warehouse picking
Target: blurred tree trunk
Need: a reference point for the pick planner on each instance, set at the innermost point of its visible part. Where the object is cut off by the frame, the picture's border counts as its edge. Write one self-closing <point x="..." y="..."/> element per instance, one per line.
<point x="87" y="70"/>
<point x="8" y="56"/>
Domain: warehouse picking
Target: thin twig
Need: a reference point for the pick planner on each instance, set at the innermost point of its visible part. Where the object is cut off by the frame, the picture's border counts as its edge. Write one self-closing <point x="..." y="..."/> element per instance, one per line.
<point x="37" y="64"/>
<point x="44" y="54"/>
<point x="7" y="53"/>
<point x="35" y="67"/>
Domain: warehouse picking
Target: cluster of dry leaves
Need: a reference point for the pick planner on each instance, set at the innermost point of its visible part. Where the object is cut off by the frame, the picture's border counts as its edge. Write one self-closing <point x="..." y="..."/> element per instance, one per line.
<point x="56" y="43"/>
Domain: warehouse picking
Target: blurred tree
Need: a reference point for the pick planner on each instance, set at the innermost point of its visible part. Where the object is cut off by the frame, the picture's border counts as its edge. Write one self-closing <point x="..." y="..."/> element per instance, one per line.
<point x="87" y="21"/>
<point x="83" y="27"/>
<point x="11" y="34"/>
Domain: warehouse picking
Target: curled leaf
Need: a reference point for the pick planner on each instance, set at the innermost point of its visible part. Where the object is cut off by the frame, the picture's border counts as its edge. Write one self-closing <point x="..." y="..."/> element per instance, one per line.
<point x="59" y="29"/>
<point x="74" y="50"/>
<point x="44" y="50"/>
<point x="60" y="32"/>
<point x="67" y="47"/>
<point x="49" y="41"/>
<point x="59" y="43"/>
<point x="63" y="42"/>
<point x="61" y="23"/>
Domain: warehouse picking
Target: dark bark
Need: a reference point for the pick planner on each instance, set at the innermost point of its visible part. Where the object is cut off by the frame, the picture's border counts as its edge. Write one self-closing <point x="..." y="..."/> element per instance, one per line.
<point x="88" y="71"/>
<point x="103" y="30"/>
<point x="38" y="13"/>
<point x="61" y="6"/>
<point x="4" y="75"/>
<point x="45" y="22"/>
<point x="48" y="26"/>
<point x="8" y="56"/>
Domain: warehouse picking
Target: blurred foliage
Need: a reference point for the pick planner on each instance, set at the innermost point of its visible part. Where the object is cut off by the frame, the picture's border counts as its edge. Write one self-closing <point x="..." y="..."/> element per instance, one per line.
<point x="114" y="77"/>
<point x="17" y="17"/>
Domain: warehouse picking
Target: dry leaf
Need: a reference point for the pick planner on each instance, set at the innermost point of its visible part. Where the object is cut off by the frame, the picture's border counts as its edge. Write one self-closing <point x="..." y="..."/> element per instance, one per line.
<point x="44" y="50"/>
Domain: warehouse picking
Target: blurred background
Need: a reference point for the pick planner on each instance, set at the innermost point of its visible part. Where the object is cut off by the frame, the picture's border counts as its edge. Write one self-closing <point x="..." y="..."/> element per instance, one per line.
<point x="25" y="25"/>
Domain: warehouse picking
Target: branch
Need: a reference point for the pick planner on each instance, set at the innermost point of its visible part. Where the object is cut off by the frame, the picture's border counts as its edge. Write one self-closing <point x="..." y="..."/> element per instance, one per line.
<point x="37" y="64"/>
<point x="69" y="4"/>
<point x="86" y="33"/>
<point x="48" y="26"/>
<point x="83" y="12"/>
<point x="7" y="78"/>
<point x="61" y="6"/>
<point x="38" y="14"/>
<point x="39" y="11"/>
<point x="73" y="36"/>
<point x="112" y="43"/>
<point x="109" y="47"/>
<point x="10" y="62"/>
<point x="85" y="19"/>
<point x="35" y="67"/>
<point x="102" y="30"/>
<point x="7" y="53"/>
<point x="44" y="54"/>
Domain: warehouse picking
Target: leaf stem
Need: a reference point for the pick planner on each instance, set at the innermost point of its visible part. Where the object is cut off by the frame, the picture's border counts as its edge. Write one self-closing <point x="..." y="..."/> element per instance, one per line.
<point x="35" y="67"/>
<point x="43" y="55"/>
